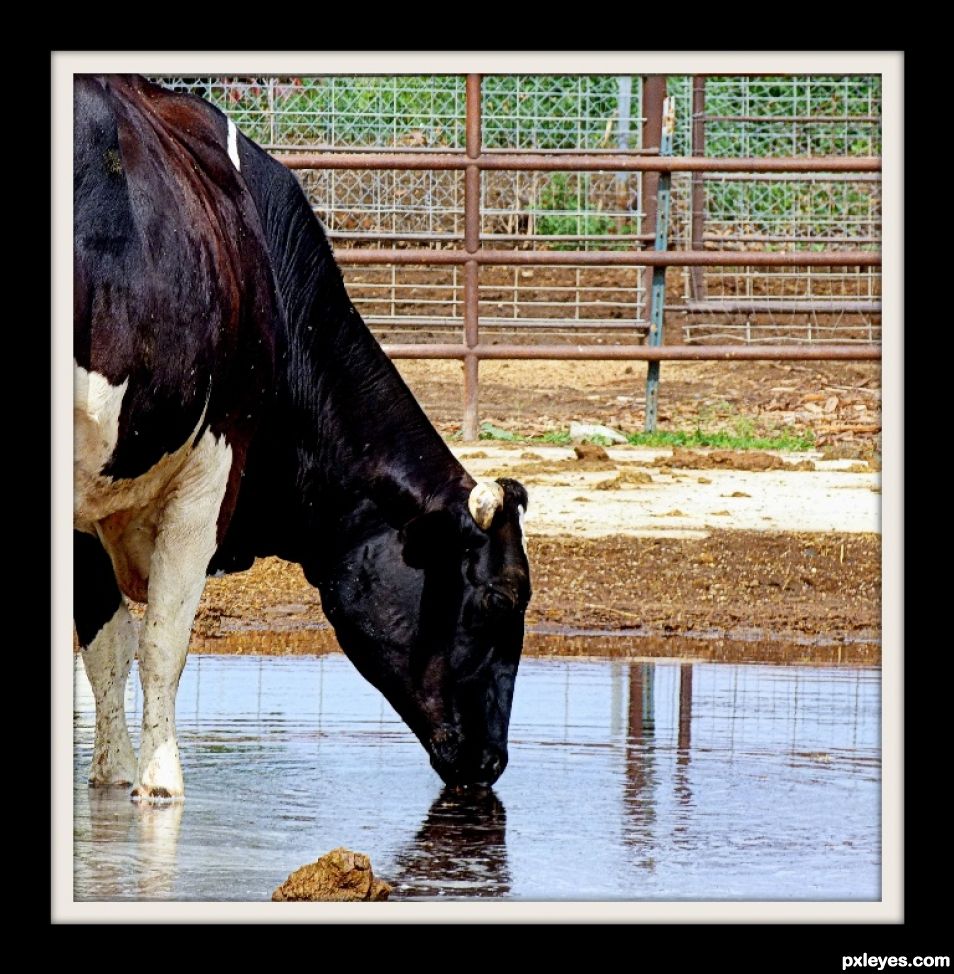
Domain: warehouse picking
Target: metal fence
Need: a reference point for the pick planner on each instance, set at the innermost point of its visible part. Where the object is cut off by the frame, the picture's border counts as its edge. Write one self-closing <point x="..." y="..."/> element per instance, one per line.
<point x="535" y="229"/>
<point x="763" y="116"/>
<point x="717" y="116"/>
<point x="567" y="211"/>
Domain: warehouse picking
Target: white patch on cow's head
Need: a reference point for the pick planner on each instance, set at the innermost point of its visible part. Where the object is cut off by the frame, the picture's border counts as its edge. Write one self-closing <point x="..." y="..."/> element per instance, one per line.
<point x="233" y="145"/>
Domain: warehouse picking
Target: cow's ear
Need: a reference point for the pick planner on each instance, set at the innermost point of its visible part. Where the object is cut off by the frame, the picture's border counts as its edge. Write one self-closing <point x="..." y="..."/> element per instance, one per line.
<point x="430" y="538"/>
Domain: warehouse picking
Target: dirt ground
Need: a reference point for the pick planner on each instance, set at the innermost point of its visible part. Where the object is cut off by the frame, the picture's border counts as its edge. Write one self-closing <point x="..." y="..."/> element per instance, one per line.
<point x="739" y="555"/>
<point x="839" y="402"/>
<point x="654" y="492"/>
<point x="756" y="593"/>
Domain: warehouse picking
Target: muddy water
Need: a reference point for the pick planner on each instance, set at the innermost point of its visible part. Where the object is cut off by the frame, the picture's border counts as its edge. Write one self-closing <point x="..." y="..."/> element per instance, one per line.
<point x="627" y="780"/>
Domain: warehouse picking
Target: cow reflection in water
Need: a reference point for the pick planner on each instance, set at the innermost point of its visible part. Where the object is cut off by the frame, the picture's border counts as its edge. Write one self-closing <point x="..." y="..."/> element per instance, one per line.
<point x="459" y="851"/>
<point x="122" y="835"/>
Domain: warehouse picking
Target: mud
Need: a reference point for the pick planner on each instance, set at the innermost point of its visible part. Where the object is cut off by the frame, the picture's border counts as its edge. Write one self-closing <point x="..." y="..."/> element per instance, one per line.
<point x="738" y="586"/>
<point x="728" y="460"/>
<point x="632" y="641"/>
<point x="590" y="451"/>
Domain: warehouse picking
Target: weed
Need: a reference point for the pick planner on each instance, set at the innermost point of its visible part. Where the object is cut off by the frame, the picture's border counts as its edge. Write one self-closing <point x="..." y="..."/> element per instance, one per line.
<point x="490" y="432"/>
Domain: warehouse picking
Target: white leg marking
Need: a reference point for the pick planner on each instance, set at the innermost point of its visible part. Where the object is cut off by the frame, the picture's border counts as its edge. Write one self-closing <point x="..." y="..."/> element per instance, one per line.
<point x="185" y="543"/>
<point x="107" y="660"/>
<point x="233" y="145"/>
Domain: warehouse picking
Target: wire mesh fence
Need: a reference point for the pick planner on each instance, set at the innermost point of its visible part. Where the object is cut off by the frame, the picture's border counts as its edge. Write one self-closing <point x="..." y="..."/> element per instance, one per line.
<point x="587" y="210"/>
<point x="781" y="116"/>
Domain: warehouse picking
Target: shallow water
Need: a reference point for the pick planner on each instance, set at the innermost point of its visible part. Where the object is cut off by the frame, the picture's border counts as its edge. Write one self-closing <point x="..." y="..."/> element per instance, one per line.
<point x="627" y="780"/>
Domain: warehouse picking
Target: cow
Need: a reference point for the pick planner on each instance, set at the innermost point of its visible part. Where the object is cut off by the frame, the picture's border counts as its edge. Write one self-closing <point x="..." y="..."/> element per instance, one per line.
<point x="230" y="403"/>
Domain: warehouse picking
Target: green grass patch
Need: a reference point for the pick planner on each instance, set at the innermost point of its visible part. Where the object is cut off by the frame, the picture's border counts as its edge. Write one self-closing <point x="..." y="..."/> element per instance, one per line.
<point x="743" y="438"/>
<point x="490" y="432"/>
<point x="553" y="438"/>
<point x="725" y="440"/>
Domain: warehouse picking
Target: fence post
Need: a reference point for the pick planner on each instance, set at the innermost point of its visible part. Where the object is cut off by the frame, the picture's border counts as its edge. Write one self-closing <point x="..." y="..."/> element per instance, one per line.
<point x="657" y="297"/>
<point x="697" y="275"/>
<point x="654" y="94"/>
<point x="471" y="246"/>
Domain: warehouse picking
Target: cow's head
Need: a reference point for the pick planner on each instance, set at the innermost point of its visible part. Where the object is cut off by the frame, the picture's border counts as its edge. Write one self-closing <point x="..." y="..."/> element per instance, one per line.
<point x="433" y="615"/>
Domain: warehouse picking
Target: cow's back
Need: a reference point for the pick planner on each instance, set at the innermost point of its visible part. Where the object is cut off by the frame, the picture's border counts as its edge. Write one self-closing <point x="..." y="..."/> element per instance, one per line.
<point x="174" y="305"/>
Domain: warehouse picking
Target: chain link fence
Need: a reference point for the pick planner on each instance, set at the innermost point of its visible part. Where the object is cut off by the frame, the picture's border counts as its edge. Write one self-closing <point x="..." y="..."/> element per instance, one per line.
<point x="743" y="116"/>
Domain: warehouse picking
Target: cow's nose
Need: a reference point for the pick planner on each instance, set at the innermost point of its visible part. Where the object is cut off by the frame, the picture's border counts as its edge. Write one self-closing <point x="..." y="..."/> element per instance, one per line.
<point x="445" y="745"/>
<point x="492" y="764"/>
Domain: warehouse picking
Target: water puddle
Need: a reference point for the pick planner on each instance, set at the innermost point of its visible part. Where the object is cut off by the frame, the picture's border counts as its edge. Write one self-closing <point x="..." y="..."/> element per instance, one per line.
<point x="627" y="780"/>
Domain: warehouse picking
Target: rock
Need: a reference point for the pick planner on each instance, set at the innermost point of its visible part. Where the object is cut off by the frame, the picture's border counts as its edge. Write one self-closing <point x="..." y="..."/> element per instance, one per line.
<point x="583" y="431"/>
<point x="338" y="876"/>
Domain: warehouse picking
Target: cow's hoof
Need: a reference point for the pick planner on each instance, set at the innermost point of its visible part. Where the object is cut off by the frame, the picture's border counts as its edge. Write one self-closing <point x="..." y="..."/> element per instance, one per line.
<point x="122" y="781"/>
<point x="120" y="773"/>
<point x="154" y="795"/>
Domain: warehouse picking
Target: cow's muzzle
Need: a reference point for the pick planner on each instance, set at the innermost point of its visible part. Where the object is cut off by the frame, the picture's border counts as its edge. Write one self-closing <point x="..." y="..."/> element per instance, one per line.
<point x="459" y="765"/>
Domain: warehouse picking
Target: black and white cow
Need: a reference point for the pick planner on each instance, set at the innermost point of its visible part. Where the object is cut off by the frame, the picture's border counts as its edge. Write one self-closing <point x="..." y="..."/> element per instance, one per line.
<point x="230" y="403"/>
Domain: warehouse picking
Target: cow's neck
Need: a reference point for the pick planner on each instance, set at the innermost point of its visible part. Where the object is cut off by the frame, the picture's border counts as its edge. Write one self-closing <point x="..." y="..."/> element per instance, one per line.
<point x="364" y="431"/>
<point x="345" y="425"/>
<point x="344" y="428"/>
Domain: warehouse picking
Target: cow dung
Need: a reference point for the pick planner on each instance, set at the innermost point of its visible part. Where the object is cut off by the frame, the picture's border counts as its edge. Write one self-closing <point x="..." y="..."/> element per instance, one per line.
<point x="338" y="876"/>
<point x="590" y="451"/>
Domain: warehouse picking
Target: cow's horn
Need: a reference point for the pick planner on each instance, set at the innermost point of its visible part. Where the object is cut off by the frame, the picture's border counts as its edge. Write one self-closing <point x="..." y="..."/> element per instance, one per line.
<point x="484" y="501"/>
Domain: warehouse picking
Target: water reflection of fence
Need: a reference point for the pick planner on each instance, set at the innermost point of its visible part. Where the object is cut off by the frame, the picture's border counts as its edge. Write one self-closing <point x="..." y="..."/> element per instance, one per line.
<point x="734" y="710"/>
<point x="686" y="705"/>
<point x="674" y="706"/>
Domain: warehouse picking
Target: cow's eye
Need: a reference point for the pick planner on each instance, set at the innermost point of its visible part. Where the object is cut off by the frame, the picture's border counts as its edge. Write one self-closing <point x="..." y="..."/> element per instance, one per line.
<point x="497" y="602"/>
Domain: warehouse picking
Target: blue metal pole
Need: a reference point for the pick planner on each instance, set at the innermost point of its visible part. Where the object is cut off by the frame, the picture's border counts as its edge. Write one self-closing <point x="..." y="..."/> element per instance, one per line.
<point x="657" y="296"/>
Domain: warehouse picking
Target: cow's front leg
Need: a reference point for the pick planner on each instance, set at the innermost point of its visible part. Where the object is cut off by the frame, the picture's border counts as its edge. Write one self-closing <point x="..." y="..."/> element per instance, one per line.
<point x="185" y="543"/>
<point x="107" y="638"/>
